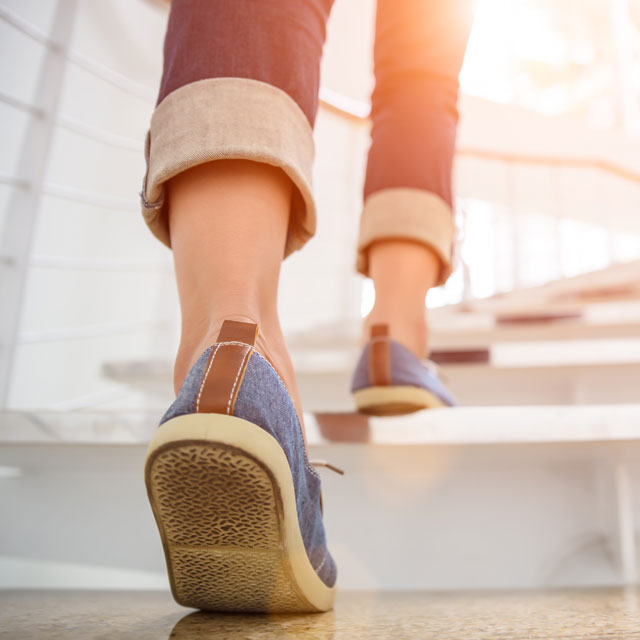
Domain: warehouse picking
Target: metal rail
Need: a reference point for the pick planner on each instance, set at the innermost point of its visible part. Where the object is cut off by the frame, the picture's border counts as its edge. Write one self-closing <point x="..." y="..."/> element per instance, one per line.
<point x="108" y="265"/>
<point x="357" y="111"/>
<point x="118" y="80"/>
<point x="80" y="128"/>
<point x="90" y="331"/>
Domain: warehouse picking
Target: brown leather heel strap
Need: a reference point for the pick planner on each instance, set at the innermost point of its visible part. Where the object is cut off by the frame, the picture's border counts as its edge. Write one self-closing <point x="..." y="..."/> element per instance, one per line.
<point x="380" y="356"/>
<point x="238" y="331"/>
<point x="226" y="367"/>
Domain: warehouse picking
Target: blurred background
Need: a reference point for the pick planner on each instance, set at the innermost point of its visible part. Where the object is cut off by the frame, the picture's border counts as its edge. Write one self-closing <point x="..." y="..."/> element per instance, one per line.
<point x="541" y="316"/>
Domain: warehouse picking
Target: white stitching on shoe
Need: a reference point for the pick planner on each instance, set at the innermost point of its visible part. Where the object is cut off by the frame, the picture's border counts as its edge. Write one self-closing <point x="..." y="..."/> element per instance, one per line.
<point x="307" y="464"/>
<point x="244" y="344"/>
<point x="205" y="379"/>
<point x="324" y="559"/>
<point x="328" y="465"/>
<point x="218" y="345"/>
<point x="247" y="352"/>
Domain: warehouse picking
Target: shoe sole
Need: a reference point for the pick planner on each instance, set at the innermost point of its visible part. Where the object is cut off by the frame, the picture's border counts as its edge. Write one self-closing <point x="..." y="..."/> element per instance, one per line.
<point x="223" y="498"/>
<point x="395" y="400"/>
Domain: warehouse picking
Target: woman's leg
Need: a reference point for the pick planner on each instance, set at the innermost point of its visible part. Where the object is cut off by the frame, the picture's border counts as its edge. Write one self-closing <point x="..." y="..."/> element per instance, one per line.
<point x="228" y="265"/>
<point x="407" y="230"/>
<point x="229" y="155"/>
<point x="402" y="271"/>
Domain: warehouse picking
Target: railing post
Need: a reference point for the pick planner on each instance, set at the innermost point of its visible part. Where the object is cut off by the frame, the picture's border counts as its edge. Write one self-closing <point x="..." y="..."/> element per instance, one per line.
<point x="514" y="222"/>
<point x="23" y="206"/>
<point x="467" y="295"/>
<point x="616" y="500"/>
<point x="557" y="208"/>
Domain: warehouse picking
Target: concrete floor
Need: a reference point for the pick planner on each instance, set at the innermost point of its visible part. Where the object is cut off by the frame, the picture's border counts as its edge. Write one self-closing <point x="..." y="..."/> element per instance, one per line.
<point x="610" y="613"/>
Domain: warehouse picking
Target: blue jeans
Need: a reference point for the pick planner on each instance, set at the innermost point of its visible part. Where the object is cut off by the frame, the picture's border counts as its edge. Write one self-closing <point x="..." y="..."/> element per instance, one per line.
<point x="418" y="52"/>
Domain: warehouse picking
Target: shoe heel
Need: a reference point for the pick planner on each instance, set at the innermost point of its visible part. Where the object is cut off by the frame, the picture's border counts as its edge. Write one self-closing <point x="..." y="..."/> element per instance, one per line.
<point x="222" y="495"/>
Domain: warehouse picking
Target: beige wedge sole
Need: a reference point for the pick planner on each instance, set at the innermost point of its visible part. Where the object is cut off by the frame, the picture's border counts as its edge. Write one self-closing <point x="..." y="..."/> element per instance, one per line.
<point x="395" y="400"/>
<point x="223" y="498"/>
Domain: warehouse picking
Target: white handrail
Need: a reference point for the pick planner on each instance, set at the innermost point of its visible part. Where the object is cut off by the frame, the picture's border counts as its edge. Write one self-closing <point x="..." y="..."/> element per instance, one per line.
<point x="91" y="331"/>
<point x="97" y="199"/>
<point x="14" y="181"/>
<point x="109" y="265"/>
<point x="81" y="128"/>
<point x="119" y="80"/>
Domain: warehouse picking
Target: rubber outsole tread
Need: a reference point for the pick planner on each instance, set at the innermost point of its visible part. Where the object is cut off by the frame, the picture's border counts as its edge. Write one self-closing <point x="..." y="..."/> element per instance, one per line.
<point x="220" y="517"/>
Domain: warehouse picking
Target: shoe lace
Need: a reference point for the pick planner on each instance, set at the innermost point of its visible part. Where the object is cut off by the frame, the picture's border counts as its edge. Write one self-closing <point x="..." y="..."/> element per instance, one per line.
<point x="324" y="463"/>
<point x="435" y="369"/>
<point x="328" y="465"/>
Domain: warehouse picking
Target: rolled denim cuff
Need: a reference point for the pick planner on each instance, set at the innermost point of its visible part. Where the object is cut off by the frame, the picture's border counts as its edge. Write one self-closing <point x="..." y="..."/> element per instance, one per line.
<point x="229" y="118"/>
<point x="411" y="214"/>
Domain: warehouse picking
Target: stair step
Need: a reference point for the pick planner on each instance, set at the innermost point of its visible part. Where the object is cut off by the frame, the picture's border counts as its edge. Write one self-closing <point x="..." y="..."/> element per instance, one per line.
<point x="485" y="498"/>
<point x="589" y="614"/>
<point x="460" y="425"/>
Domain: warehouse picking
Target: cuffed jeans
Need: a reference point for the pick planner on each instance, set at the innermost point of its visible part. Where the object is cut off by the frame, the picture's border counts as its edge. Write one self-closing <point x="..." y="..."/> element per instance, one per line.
<point x="241" y="80"/>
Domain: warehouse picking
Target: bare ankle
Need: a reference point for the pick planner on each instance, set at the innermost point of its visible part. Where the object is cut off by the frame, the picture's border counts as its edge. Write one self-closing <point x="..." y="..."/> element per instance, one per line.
<point x="409" y="329"/>
<point x="270" y="344"/>
<point x="197" y="337"/>
<point x="402" y="271"/>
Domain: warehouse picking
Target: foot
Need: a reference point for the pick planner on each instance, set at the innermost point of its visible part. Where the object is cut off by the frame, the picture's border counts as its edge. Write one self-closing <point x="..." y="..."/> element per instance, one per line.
<point x="407" y="325"/>
<point x="237" y="501"/>
<point x="402" y="271"/>
<point x="389" y="379"/>
<point x="270" y="344"/>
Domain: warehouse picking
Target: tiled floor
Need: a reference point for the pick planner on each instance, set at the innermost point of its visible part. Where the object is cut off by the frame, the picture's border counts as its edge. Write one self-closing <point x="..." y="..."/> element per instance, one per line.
<point x="587" y="613"/>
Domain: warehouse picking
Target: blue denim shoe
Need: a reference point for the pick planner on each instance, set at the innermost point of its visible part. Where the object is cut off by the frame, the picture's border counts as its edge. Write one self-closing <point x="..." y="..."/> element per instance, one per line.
<point x="390" y="380"/>
<point x="237" y="502"/>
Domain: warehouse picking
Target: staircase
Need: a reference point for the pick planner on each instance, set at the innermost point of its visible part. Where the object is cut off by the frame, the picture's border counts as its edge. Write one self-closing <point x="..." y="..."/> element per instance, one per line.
<point x="485" y="497"/>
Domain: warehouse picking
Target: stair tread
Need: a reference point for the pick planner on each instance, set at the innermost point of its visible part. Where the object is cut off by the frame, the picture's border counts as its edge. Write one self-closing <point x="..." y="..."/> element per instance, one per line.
<point x="461" y="425"/>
